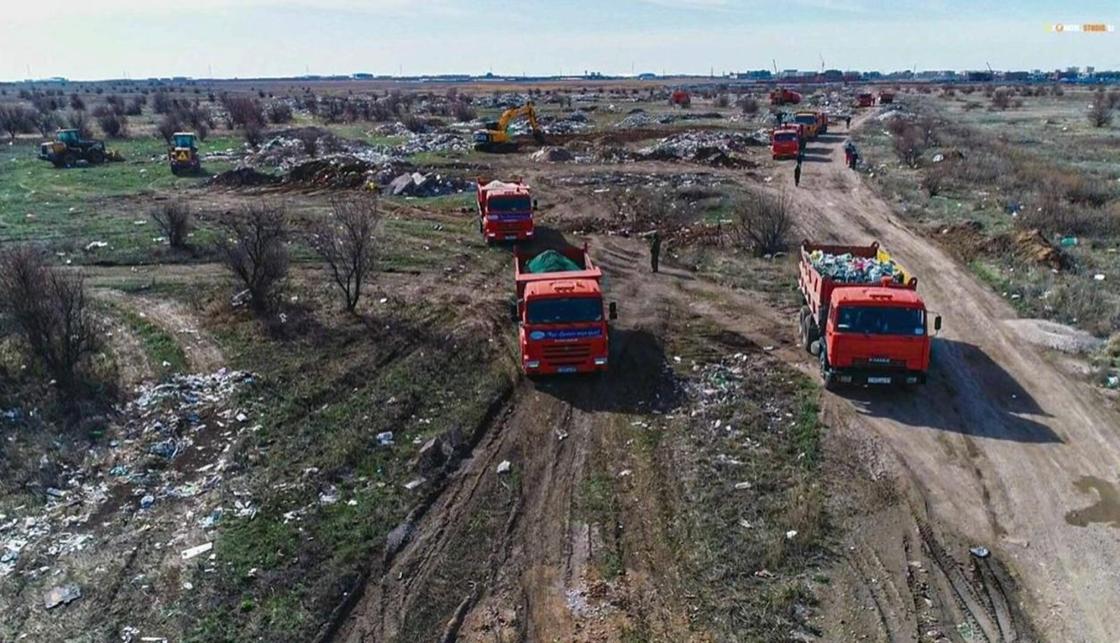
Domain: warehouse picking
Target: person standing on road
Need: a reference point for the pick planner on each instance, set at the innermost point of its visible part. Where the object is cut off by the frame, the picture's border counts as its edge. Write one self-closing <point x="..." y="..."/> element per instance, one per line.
<point x="848" y="121"/>
<point x="654" y="250"/>
<point x="796" y="176"/>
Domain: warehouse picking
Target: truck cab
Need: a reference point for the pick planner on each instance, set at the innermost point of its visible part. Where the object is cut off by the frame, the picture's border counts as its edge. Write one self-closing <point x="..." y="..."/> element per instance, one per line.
<point x="865" y="99"/>
<point x="505" y="211"/>
<point x="785" y="142"/>
<point x="877" y="335"/>
<point x="562" y="320"/>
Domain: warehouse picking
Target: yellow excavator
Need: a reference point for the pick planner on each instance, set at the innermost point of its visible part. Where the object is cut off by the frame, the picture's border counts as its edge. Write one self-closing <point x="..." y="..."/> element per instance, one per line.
<point x="496" y="138"/>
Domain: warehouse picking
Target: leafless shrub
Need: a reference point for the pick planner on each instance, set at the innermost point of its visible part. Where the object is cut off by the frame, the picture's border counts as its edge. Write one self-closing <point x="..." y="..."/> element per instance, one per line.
<point x="279" y="113"/>
<point x="907" y="139"/>
<point x="15" y="119"/>
<point x="462" y="111"/>
<point x="1100" y="111"/>
<point x="162" y="102"/>
<point x="46" y="122"/>
<point x="175" y="221"/>
<point x="414" y="123"/>
<point x="346" y="242"/>
<point x="243" y="111"/>
<point x="254" y="134"/>
<point x="168" y="125"/>
<point x="309" y="137"/>
<point x="113" y="124"/>
<point x="762" y="224"/>
<point x="1001" y="98"/>
<point x="48" y="308"/>
<point x="256" y="251"/>
<point x="749" y="105"/>
<point x="76" y="103"/>
<point x="723" y="100"/>
<point x="1114" y="99"/>
<point x="79" y="120"/>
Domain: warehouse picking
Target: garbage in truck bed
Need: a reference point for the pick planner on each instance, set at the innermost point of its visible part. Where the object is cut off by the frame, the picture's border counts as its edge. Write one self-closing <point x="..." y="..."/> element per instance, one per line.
<point x="847" y="268"/>
<point x="551" y="261"/>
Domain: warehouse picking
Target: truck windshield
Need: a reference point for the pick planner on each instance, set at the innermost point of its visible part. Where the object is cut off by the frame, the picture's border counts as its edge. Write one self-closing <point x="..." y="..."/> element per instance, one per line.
<point x="807" y="119"/>
<point x="184" y="141"/>
<point x="881" y="320"/>
<point x="511" y="204"/>
<point x="68" y="136"/>
<point x="785" y="137"/>
<point x="564" y="311"/>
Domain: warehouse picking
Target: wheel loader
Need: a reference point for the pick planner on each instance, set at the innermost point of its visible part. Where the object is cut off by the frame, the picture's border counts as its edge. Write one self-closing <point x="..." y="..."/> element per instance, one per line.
<point x="183" y="153"/>
<point x="496" y="138"/>
<point x="69" y="148"/>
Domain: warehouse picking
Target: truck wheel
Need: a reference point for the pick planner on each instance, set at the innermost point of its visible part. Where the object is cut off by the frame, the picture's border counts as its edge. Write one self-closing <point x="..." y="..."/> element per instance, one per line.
<point x="826" y="375"/>
<point x="96" y="157"/>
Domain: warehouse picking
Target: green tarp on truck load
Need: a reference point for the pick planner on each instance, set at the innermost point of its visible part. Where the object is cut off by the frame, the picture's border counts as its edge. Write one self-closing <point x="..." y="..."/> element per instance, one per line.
<point x="551" y="261"/>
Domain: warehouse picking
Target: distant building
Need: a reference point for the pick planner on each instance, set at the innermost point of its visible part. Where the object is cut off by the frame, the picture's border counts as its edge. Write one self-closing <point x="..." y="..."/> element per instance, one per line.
<point x="362" y="76"/>
<point x="758" y="74"/>
<point x="1016" y="76"/>
<point x="832" y="75"/>
<point x="647" y="76"/>
<point x="980" y="76"/>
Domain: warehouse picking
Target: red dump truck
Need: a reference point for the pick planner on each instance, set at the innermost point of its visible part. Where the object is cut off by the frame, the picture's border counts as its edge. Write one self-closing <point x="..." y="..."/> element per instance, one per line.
<point x="863" y="317"/>
<point x="866" y="99"/>
<point x="886" y="98"/>
<point x="782" y="96"/>
<point x="562" y="322"/>
<point x="505" y="210"/>
<point x="785" y="142"/>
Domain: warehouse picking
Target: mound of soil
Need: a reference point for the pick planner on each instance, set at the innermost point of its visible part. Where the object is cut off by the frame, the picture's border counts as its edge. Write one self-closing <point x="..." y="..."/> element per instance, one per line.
<point x="243" y="177"/>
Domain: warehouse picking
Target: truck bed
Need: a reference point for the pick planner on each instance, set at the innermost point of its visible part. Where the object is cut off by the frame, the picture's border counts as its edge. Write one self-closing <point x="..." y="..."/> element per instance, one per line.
<point x="580" y="256"/>
<point x="817" y="288"/>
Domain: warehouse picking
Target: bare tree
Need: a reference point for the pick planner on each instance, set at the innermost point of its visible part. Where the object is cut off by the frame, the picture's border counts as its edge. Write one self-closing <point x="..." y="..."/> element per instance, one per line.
<point x="79" y="120"/>
<point x="763" y="224"/>
<point x="46" y="123"/>
<point x="1100" y="111"/>
<point x="256" y="251"/>
<point x="346" y="242"/>
<point x="168" y="125"/>
<point x="49" y="309"/>
<point x="15" y="119"/>
<point x="174" y="219"/>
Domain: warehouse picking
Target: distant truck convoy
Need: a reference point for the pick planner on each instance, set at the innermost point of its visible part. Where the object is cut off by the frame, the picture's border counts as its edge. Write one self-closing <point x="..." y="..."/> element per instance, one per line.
<point x="862" y="316"/>
<point x="505" y="210"/>
<point x="561" y="318"/>
<point x="785" y="142"/>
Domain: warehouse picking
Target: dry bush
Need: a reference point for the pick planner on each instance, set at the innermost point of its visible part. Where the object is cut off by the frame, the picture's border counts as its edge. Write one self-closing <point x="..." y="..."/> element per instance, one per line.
<point x="79" y="120"/>
<point x="462" y="111"/>
<point x="1001" y="98"/>
<point x="256" y="251"/>
<point x="723" y="100"/>
<point x="414" y="123"/>
<point x="46" y="122"/>
<point x="162" y="103"/>
<point x="49" y="310"/>
<point x="254" y="134"/>
<point x="113" y="124"/>
<point x="762" y="224"/>
<point x="175" y="221"/>
<point x="279" y="113"/>
<point x="347" y="243"/>
<point x="76" y="103"/>
<point x="908" y="140"/>
<point x="136" y="105"/>
<point x="1100" y="111"/>
<point x="1114" y="99"/>
<point x="15" y="119"/>
<point x="168" y="125"/>
<point x="749" y="105"/>
<point x="1082" y="302"/>
<point x="243" y="111"/>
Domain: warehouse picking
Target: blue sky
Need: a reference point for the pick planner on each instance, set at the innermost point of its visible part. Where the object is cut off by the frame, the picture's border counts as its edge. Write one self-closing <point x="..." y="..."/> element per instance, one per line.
<point x="141" y="38"/>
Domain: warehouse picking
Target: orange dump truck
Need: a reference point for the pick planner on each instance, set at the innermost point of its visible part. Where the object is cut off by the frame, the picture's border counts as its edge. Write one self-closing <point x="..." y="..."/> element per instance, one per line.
<point x="782" y="96"/>
<point x="862" y="316"/>
<point x="505" y="210"/>
<point x="561" y="318"/>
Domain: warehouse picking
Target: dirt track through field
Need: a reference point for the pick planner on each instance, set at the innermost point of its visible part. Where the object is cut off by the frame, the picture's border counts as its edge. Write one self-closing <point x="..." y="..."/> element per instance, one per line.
<point x="1000" y="442"/>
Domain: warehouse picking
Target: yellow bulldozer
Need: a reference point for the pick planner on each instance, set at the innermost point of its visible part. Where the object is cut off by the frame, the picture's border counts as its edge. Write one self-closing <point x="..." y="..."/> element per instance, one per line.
<point x="183" y="154"/>
<point x="496" y="138"/>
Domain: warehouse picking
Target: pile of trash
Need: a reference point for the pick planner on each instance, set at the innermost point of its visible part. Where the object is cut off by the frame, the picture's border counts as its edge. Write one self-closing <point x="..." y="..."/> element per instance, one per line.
<point x="431" y="142"/>
<point x="501" y="100"/>
<point x="574" y="122"/>
<point x="341" y="172"/>
<point x="431" y="184"/>
<point x="552" y="155"/>
<point x="708" y="147"/>
<point x="172" y="444"/>
<point x="849" y="269"/>
<point x="636" y="120"/>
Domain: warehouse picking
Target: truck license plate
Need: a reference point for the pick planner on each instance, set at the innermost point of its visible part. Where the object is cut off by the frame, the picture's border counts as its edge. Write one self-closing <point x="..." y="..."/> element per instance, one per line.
<point x="878" y="380"/>
<point x="566" y="369"/>
<point x="511" y="237"/>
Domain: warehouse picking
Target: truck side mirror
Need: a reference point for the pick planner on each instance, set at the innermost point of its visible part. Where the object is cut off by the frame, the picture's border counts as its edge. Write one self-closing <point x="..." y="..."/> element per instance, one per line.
<point x="815" y="349"/>
<point x="612" y="311"/>
<point x="513" y="311"/>
<point x="534" y="204"/>
<point x="937" y="322"/>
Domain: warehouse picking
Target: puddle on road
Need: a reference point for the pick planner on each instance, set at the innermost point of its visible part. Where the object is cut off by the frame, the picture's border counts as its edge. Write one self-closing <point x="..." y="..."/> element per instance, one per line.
<point x="1105" y="510"/>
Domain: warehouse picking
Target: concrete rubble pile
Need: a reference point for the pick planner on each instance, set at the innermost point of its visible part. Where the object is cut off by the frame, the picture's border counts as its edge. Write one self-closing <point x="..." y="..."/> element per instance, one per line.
<point x="846" y="268"/>
<point x="170" y="446"/>
<point x="416" y="184"/>
<point x="709" y="147"/>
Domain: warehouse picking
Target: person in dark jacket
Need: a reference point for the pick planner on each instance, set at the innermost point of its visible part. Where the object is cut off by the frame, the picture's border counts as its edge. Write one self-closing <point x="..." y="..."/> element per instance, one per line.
<point x="797" y="174"/>
<point x="654" y="250"/>
<point x="848" y="121"/>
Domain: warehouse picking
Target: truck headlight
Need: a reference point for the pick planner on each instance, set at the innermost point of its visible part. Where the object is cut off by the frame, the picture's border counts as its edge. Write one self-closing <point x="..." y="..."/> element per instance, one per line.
<point x="532" y="364"/>
<point x="600" y="361"/>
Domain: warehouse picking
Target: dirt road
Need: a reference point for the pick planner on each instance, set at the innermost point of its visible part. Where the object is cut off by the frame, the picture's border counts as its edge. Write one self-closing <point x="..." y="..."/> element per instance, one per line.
<point x="1005" y="448"/>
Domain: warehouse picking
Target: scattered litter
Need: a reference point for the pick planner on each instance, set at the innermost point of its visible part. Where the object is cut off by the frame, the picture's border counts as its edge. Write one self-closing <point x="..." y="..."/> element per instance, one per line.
<point x="328" y="496"/>
<point x="625" y="473"/>
<point x="1098" y="277"/>
<point x="980" y="552"/>
<point x="740" y="486"/>
<point x="385" y="439"/>
<point x="504" y="467"/>
<point x="791" y="534"/>
<point x="188" y="554"/>
<point x="147" y="501"/>
<point x="96" y="245"/>
<point x="62" y="595"/>
<point x="412" y="484"/>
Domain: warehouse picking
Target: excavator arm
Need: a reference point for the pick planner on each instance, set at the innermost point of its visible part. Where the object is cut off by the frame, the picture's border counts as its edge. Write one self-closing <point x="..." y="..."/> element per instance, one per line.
<point x="497" y="139"/>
